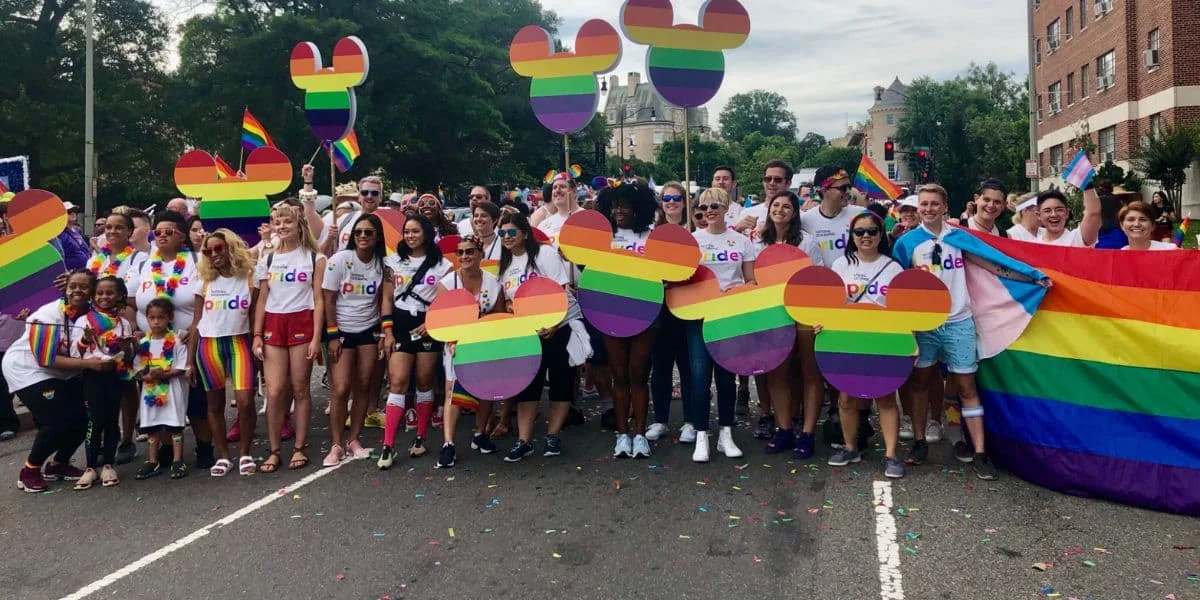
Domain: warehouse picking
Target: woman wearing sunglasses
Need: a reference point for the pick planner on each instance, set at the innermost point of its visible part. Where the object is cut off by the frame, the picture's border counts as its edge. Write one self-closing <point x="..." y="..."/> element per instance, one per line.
<point x="490" y="294"/>
<point x="430" y="207"/>
<point x="730" y="256"/>
<point x="220" y="341"/>
<point x="867" y="269"/>
<point x="409" y="287"/>
<point x="353" y="287"/>
<point x="670" y="346"/>
<point x="671" y="209"/>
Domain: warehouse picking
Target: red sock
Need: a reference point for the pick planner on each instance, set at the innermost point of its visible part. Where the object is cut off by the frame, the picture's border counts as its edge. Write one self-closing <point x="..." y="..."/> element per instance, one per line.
<point x="424" y="415"/>
<point x="394" y="416"/>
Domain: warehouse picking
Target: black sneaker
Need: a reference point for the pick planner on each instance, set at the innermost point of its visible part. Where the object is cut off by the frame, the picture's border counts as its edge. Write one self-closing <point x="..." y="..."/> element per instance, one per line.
<point x="386" y="457"/>
<point x="919" y="452"/>
<point x="482" y="443"/>
<point x="148" y="470"/>
<point x="984" y="469"/>
<point x="417" y="449"/>
<point x="553" y="445"/>
<point x="126" y="452"/>
<point x="179" y="469"/>
<point x="608" y="420"/>
<point x="765" y="427"/>
<point x="963" y="453"/>
<point x="445" y="457"/>
<point x="574" y="417"/>
<point x="743" y="402"/>
<point x="519" y="451"/>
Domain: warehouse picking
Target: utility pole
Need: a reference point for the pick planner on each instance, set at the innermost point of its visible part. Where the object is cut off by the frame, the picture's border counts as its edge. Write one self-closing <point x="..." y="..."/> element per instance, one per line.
<point x="1033" y="150"/>
<point x="89" y="133"/>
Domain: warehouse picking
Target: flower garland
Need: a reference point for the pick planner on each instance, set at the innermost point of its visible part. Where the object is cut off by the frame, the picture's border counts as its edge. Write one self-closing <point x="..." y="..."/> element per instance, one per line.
<point x="112" y="264"/>
<point x="166" y="286"/>
<point x="154" y="393"/>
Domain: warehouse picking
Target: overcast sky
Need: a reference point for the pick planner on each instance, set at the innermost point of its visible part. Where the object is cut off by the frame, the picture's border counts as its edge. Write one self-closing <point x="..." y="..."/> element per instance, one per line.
<point x="825" y="56"/>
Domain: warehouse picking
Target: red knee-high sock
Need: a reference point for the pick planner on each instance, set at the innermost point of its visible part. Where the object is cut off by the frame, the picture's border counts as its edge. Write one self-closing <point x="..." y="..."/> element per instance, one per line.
<point x="394" y="417"/>
<point x="424" y="416"/>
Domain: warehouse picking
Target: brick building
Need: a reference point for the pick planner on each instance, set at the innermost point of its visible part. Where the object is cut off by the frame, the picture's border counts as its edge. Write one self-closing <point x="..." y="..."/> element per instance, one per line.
<point x="1125" y="68"/>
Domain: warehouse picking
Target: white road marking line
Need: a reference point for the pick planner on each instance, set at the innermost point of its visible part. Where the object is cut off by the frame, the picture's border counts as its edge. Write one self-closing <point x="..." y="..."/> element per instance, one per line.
<point x="886" y="544"/>
<point x="182" y="542"/>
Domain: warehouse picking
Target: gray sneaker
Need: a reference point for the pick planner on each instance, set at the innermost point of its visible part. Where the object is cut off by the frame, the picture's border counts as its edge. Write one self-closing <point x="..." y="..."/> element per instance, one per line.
<point x="893" y="468"/>
<point x="844" y="457"/>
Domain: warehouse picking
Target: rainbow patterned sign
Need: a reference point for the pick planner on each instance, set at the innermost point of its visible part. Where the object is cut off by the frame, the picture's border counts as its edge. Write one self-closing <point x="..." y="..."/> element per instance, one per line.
<point x="621" y="291"/>
<point x="329" y="101"/>
<point x="867" y="350"/>
<point x="747" y="329"/>
<point x="238" y="203"/>
<point x="393" y="227"/>
<point x="499" y="354"/>
<point x="686" y="62"/>
<point x="563" y="92"/>
<point x="28" y="263"/>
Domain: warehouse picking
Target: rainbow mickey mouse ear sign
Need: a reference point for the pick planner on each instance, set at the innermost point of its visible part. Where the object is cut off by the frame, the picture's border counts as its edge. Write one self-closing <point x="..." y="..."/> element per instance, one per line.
<point x="564" y="92"/>
<point x="329" y="101"/>
<point x="28" y="263"/>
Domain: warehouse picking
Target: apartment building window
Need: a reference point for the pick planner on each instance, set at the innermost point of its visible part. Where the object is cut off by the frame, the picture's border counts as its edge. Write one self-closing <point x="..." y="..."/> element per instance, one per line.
<point x="1084" y="81"/>
<point x="1055" y="99"/>
<point x="1069" y="22"/>
<point x="893" y="172"/>
<point x="1106" y="70"/>
<point x="1052" y="33"/>
<point x="1153" y="43"/>
<point x="891" y="119"/>
<point x="1103" y="7"/>
<point x="1056" y="154"/>
<point x="1155" y="125"/>
<point x="1083" y="14"/>
<point x="1037" y="52"/>
<point x="658" y="138"/>
<point x="1070" y="89"/>
<point x="1108" y="144"/>
<point x="1039" y="105"/>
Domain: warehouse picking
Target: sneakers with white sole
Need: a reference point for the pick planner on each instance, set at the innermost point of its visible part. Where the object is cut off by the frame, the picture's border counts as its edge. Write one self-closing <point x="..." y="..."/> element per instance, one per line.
<point x="725" y="443"/>
<point x="623" y="447"/>
<point x="933" y="432"/>
<point x="906" y="428"/>
<point x="655" y="431"/>
<point x="700" y="454"/>
<point x="687" y="433"/>
<point x="641" y="447"/>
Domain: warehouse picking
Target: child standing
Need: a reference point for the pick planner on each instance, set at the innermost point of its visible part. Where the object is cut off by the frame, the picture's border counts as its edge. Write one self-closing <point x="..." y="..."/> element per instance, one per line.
<point x="164" y="370"/>
<point x="107" y="336"/>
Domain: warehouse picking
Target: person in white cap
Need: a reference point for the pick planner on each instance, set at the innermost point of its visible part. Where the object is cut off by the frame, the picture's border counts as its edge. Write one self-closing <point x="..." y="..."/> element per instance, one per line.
<point x="1026" y="225"/>
<point x="907" y="220"/>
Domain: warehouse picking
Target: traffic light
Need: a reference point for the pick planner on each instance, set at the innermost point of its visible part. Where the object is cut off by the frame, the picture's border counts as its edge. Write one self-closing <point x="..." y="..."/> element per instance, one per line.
<point x="889" y="151"/>
<point x="627" y="169"/>
<point x="922" y="155"/>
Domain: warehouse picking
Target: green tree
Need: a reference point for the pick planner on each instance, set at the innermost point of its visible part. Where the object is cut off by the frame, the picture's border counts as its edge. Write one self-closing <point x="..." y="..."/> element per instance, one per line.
<point x="1166" y="157"/>
<point x="706" y="156"/>
<point x="846" y="158"/>
<point x="809" y="145"/>
<point x="757" y="111"/>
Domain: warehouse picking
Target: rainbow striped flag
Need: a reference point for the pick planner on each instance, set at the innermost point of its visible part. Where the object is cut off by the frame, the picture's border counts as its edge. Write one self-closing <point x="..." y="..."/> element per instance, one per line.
<point x="344" y="151"/>
<point x="872" y="182"/>
<point x="1182" y="231"/>
<point x="224" y="171"/>
<point x="1097" y="397"/>
<point x="254" y="135"/>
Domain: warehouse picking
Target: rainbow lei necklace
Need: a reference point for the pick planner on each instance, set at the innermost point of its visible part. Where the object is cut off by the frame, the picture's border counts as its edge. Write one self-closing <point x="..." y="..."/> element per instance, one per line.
<point x="167" y="286"/>
<point x="154" y="394"/>
<point x="112" y="264"/>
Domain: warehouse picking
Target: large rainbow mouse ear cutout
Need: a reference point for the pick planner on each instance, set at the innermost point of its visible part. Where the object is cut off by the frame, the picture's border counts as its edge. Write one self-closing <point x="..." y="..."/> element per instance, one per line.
<point x="564" y="92"/>
<point x="28" y="263"/>
<point x="237" y="203"/>
<point x="621" y="291"/>
<point x="867" y="350"/>
<point x="498" y="354"/>
<point x="746" y="329"/>
<point x="686" y="63"/>
<point x="329" y="102"/>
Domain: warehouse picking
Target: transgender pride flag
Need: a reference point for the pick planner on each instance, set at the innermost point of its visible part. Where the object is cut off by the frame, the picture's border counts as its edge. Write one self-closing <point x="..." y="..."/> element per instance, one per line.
<point x="1080" y="172"/>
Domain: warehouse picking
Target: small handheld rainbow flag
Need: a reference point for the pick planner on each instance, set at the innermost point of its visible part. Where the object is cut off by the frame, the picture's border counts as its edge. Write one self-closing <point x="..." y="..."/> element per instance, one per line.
<point x="872" y="182"/>
<point x="224" y="171"/>
<point x="344" y="151"/>
<point x="1182" y="231"/>
<point x="254" y="135"/>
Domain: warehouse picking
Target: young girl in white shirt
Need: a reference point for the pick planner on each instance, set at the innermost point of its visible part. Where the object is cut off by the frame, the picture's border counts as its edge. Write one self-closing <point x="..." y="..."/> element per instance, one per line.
<point x="107" y="336"/>
<point x="164" y="369"/>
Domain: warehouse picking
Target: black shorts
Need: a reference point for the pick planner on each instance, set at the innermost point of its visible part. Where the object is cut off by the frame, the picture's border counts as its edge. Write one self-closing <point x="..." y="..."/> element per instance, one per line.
<point x="406" y="322"/>
<point x="369" y="337"/>
<point x="153" y="429"/>
<point x="556" y="366"/>
<point x="197" y="407"/>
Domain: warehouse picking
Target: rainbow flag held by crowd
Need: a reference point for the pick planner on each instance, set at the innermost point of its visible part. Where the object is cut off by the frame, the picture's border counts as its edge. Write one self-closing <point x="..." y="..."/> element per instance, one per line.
<point x="873" y="182"/>
<point x="254" y="135"/>
<point x="1181" y="233"/>
<point x="1097" y="397"/>
<point x="344" y="151"/>
<point x="224" y="171"/>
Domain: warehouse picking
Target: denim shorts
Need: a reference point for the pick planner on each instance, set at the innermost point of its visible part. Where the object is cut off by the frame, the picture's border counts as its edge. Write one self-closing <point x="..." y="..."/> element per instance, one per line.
<point x="954" y="343"/>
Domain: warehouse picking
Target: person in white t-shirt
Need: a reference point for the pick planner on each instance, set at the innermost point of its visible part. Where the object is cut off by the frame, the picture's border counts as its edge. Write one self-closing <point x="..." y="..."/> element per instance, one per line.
<point x="1137" y="221"/>
<point x="288" y="320"/>
<point x="1027" y="224"/>
<point x="563" y="203"/>
<point x="410" y="284"/>
<point x="484" y="218"/>
<point x="725" y="178"/>
<point x="164" y="367"/>
<point x="730" y="256"/>
<point x="477" y="196"/>
<point x="990" y="201"/>
<point x="867" y="269"/>
<point x="1052" y="206"/>
<point x="116" y="255"/>
<point x="777" y="178"/>
<point x="490" y="294"/>
<point x="220" y="341"/>
<point x="353" y="289"/>
<point x="829" y="222"/>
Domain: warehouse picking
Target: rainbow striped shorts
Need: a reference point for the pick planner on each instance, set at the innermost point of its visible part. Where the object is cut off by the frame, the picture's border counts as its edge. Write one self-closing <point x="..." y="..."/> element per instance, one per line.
<point x="223" y="358"/>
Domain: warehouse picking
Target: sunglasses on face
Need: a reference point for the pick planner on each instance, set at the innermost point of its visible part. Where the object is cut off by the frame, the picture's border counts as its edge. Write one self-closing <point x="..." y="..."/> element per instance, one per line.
<point x="871" y="231"/>
<point x="672" y="198"/>
<point x="773" y="180"/>
<point x="213" y="249"/>
<point x="708" y="207"/>
<point x="477" y="197"/>
<point x="370" y="193"/>
<point x="427" y="204"/>
<point x="512" y="233"/>
<point x="165" y="232"/>
<point x="364" y="233"/>
<point x="843" y="188"/>
<point x="465" y="252"/>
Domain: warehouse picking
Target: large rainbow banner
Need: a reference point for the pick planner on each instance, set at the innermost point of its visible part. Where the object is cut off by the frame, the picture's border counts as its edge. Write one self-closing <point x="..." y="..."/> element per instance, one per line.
<point x="1098" y="397"/>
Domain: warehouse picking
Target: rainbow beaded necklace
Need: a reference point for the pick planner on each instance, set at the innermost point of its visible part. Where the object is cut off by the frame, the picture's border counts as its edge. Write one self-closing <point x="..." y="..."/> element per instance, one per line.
<point x="111" y="263"/>
<point x="166" y="286"/>
<point x="154" y="393"/>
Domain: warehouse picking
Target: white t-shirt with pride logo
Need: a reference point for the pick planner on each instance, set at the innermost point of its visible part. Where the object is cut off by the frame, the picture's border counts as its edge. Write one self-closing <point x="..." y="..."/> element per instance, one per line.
<point x="627" y="239"/>
<point x="490" y="289"/>
<point x="403" y="271"/>
<point x="140" y="284"/>
<point x="831" y="234"/>
<point x="547" y="264"/>
<point x="226" y="307"/>
<point x="874" y="276"/>
<point x="724" y="254"/>
<point x="358" y="285"/>
<point x="951" y="269"/>
<point x="290" y="277"/>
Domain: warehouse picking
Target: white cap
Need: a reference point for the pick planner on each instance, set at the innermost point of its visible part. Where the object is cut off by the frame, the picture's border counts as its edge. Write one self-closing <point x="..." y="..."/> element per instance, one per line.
<point x="1030" y="203"/>
<point x="69" y="206"/>
<point x="910" y="201"/>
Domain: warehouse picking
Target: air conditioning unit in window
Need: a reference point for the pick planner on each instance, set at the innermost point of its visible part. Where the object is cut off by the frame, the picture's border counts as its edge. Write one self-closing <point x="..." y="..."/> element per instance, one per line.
<point x="1103" y="7"/>
<point x="1151" y="59"/>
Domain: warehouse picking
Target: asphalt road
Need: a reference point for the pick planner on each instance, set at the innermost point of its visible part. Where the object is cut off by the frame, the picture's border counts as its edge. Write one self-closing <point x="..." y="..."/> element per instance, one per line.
<point x="584" y="525"/>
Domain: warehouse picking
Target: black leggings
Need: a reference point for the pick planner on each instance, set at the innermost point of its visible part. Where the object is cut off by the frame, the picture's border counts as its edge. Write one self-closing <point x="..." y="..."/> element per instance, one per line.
<point x="102" y="393"/>
<point x="61" y="414"/>
<point x="556" y="366"/>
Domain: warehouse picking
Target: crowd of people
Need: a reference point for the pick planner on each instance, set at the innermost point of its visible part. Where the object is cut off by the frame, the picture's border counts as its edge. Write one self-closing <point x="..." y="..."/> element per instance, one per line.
<point x="156" y="335"/>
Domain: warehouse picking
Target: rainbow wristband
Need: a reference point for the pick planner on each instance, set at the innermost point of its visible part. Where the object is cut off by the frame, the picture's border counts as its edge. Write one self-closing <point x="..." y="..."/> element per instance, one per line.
<point x="386" y="323"/>
<point x="332" y="333"/>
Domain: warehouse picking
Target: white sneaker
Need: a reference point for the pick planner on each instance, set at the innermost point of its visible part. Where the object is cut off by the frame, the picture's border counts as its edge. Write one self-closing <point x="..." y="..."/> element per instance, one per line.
<point x="906" y="430"/>
<point x="624" y="447"/>
<point x="725" y="443"/>
<point x="700" y="454"/>
<point x="933" y="432"/>
<point x="656" y="431"/>
<point x="641" y="447"/>
<point x="687" y="433"/>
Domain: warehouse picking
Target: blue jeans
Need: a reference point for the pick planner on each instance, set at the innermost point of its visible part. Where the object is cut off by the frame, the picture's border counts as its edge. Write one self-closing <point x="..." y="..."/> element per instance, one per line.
<point x="703" y="370"/>
<point x="670" y="350"/>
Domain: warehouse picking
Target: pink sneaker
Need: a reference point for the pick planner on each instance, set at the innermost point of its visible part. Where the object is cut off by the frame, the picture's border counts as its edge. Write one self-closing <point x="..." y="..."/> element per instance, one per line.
<point x="235" y="433"/>
<point x="62" y="471"/>
<point x="31" y="480"/>
<point x="437" y="416"/>
<point x="287" y="430"/>
<point x="410" y="419"/>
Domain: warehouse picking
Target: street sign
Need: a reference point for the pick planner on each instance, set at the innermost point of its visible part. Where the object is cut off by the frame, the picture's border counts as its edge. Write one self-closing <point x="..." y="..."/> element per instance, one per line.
<point x="1031" y="169"/>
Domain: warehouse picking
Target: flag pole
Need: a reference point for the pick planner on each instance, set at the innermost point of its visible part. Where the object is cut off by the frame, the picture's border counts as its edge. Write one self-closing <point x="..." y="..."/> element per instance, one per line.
<point x="332" y="176"/>
<point x="566" y="154"/>
<point x="241" y="148"/>
<point x="687" y="188"/>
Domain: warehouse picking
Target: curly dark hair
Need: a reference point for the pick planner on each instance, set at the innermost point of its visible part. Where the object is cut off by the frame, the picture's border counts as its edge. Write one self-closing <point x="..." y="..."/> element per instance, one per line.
<point x="637" y="196"/>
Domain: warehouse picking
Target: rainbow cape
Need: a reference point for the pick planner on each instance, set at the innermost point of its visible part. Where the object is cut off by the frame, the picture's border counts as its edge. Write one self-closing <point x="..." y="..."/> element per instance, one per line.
<point x="873" y="182"/>
<point x="1098" y="397"/>
<point x="254" y="135"/>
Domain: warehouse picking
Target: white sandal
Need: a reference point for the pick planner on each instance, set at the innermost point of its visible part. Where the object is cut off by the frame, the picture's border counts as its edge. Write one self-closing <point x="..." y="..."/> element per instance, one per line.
<point x="87" y="479"/>
<point x="247" y="466"/>
<point x="108" y="476"/>
<point x="221" y="468"/>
